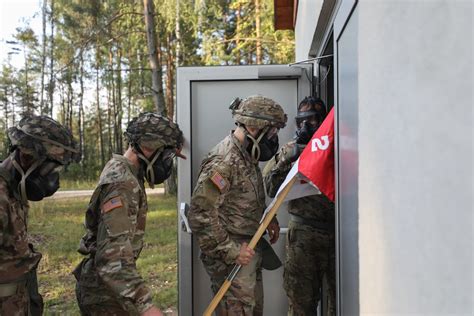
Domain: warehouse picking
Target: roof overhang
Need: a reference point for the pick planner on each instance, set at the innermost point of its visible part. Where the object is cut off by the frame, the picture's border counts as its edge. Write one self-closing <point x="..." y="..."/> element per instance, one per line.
<point x="285" y="14"/>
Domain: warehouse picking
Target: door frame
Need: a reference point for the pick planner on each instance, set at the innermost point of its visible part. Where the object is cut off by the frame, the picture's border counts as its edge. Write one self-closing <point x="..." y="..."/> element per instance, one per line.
<point x="185" y="77"/>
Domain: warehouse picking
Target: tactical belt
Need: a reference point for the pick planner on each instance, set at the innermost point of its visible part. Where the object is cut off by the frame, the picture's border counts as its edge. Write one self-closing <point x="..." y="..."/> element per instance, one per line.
<point x="311" y="222"/>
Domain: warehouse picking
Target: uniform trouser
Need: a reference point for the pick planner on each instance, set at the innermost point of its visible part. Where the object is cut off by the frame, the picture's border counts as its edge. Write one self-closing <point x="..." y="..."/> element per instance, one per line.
<point x="108" y="309"/>
<point x="102" y="304"/>
<point x="310" y="254"/>
<point x="24" y="300"/>
<point x="245" y="295"/>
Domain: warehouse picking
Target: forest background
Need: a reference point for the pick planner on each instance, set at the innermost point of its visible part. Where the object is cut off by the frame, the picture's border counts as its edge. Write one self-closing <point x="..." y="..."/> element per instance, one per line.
<point x="96" y="64"/>
<point x="93" y="65"/>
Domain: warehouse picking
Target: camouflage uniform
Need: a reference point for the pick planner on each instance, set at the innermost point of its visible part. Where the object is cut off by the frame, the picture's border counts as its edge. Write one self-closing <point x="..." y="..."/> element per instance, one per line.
<point x="115" y="222"/>
<point x="310" y="244"/>
<point x="108" y="282"/>
<point x="226" y="207"/>
<point x="40" y="137"/>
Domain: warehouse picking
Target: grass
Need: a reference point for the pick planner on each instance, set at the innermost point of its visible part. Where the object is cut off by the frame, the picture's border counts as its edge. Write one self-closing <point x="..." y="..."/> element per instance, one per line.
<point x="69" y="184"/>
<point x="56" y="228"/>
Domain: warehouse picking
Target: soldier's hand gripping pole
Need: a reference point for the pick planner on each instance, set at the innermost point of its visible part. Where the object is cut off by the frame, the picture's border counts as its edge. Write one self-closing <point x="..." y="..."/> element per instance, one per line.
<point x="253" y="242"/>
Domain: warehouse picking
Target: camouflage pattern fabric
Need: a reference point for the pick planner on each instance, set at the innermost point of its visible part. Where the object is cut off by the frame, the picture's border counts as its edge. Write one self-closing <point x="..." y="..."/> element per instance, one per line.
<point x="245" y="294"/>
<point x="17" y="257"/>
<point x="310" y="255"/>
<point x="310" y="252"/>
<point x="41" y="136"/>
<point x="154" y="131"/>
<point x="16" y="304"/>
<point x="115" y="223"/>
<point x="226" y="207"/>
<point x="259" y="111"/>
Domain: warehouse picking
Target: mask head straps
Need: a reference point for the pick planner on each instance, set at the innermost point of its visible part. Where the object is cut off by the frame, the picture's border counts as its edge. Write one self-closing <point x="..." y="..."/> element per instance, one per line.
<point x="255" y="152"/>
<point x="150" y="174"/>
<point x="25" y="175"/>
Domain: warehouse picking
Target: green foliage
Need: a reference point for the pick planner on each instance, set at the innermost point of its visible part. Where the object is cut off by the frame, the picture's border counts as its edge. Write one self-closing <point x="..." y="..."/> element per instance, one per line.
<point x="97" y="52"/>
<point x="56" y="228"/>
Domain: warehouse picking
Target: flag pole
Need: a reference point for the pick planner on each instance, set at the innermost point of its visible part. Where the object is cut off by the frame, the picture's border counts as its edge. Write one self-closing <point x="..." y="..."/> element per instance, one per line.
<point x="253" y="242"/>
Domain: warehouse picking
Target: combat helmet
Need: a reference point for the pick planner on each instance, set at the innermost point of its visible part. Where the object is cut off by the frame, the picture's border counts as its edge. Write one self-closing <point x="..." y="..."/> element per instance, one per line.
<point x="160" y="135"/>
<point x="44" y="138"/>
<point x="153" y="131"/>
<point x="258" y="111"/>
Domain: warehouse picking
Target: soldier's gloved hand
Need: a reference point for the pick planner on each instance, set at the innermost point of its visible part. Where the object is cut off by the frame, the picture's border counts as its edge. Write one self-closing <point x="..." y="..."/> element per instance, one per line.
<point x="153" y="311"/>
<point x="273" y="231"/>
<point x="290" y="154"/>
<point x="245" y="255"/>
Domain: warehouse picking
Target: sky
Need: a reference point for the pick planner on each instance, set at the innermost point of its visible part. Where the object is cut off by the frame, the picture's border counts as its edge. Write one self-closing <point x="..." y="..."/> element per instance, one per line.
<point x="12" y="12"/>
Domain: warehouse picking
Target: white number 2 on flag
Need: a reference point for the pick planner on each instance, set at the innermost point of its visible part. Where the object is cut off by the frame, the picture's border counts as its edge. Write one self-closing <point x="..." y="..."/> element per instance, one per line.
<point x="321" y="144"/>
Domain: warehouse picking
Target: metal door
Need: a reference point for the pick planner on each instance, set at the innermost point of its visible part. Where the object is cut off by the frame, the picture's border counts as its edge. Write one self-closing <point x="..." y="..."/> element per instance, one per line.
<point x="204" y="94"/>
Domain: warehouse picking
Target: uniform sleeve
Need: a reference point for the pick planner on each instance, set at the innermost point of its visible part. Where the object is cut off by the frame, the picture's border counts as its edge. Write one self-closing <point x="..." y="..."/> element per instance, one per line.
<point x="275" y="171"/>
<point x="115" y="259"/>
<point x="4" y="207"/>
<point x="208" y="198"/>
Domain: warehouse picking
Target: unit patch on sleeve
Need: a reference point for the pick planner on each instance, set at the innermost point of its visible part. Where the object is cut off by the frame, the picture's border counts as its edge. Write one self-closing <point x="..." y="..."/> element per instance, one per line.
<point x="219" y="181"/>
<point x="112" y="204"/>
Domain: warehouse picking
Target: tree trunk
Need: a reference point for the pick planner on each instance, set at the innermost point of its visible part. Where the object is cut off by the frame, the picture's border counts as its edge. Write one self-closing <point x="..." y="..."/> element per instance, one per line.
<point x="171" y="186"/>
<point x="258" y="32"/>
<point x="80" y="118"/>
<point x="112" y="106"/>
<point x="51" y="63"/>
<point x="70" y="104"/>
<point x="153" y="44"/>
<point x="26" y="102"/>
<point x="61" y="103"/>
<point x="129" y="91"/>
<point x="178" y="35"/>
<point x="99" y="119"/>
<point x="43" y="55"/>
<point x="119" y="113"/>
<point x="169" y="80"/>
<point x="109" y="119"/>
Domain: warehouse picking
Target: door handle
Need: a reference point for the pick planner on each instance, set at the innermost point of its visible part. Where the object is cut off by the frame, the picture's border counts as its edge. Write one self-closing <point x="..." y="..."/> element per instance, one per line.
<point x="183" y="213"/>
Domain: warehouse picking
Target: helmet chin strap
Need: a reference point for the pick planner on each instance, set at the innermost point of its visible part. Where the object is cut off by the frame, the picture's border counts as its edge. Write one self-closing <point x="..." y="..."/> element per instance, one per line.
<point x="255" y="152"/>
<point x="25" y="175"/>
<point x="150" y="174"/>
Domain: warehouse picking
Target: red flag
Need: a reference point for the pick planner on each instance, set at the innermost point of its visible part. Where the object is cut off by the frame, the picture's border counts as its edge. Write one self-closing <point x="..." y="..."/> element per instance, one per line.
<point x="315" y="164"/>
<point x="317" y="160"/>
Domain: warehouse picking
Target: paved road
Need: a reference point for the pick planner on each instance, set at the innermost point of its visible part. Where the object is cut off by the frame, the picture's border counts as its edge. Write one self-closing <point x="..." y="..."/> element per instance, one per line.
<point x="88" y="193"/>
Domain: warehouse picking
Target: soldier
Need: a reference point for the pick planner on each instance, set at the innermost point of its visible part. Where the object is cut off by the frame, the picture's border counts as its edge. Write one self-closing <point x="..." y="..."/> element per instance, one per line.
<point x="228" y="202"/>
<point x="39" y="147"/>
<point x="310" y="244"/>
<point x="108" y="282"/>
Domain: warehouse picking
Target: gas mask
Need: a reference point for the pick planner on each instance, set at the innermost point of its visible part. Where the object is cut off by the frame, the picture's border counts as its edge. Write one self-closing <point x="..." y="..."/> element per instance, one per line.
<point x="265" y="146"/>
<point x="158" y="169"/>
<point x="40" y="180"/>
<point x="307" y="123"/>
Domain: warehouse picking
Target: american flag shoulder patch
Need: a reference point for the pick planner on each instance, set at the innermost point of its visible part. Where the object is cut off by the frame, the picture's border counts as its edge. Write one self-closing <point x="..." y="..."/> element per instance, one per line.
<point x="111" y="204"/>
<point x="219" y="181"/>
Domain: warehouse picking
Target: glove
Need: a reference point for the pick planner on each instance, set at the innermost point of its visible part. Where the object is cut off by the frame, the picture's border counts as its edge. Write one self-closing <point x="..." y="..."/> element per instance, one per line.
<point x="290" y="154"/>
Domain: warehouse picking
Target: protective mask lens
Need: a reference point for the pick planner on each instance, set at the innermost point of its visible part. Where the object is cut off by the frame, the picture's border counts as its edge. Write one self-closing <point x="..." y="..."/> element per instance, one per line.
<point x="50" y="166"/>
<point x="272" y="132"/>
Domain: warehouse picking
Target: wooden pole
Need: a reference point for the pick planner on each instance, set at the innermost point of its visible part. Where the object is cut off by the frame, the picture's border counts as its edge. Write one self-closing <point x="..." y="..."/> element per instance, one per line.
<point x="253" y="242"/>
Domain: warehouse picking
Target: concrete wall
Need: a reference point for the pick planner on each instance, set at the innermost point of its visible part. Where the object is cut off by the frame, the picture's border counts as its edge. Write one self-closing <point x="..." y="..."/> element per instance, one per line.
<point x="416" y="157"/>
<point x="307" y="17"/>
